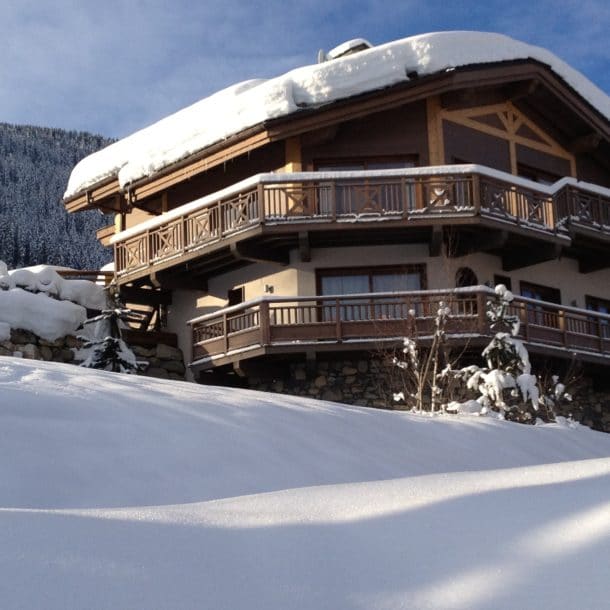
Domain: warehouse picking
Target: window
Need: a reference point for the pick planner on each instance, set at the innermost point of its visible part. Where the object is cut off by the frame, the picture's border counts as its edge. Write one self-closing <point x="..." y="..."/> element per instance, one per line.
<point x="235" y="296"/>
<point x="536" y="175"/>
<point x="537" y="314"/>
<point x="362" y="196"/>
<point x="464" y="277"/>
<point x="367" y="280"/>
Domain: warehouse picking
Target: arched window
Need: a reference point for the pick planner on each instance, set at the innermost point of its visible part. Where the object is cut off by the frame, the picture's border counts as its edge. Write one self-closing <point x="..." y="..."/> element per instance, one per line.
<point x="465" y="276"/>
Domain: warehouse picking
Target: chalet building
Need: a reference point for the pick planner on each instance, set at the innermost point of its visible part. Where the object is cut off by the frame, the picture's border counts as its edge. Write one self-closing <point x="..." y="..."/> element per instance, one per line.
<point x="300" y="219"/>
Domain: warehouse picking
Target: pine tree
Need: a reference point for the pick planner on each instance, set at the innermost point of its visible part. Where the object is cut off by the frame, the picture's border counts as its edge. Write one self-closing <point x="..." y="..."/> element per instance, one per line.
<point x="111" y="353"/>
<point x="507" y="385"/>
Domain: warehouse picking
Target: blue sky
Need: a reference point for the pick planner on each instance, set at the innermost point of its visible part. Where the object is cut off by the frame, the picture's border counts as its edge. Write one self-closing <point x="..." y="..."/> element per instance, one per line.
<point x="115" y="66"/>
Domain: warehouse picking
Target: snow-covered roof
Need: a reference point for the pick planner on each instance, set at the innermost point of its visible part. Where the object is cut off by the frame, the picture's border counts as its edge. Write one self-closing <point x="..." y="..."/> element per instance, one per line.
<point x="252" y="102"/>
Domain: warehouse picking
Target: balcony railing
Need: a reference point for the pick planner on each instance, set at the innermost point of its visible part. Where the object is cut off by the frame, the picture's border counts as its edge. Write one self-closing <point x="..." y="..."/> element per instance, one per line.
<point x="313" y="323"/>
<point x="411" y="195"/>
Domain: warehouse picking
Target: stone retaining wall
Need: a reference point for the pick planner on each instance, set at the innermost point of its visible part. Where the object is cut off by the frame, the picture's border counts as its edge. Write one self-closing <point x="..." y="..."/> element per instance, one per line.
<point x="162" y="361"/>
<point x="371" y="382"/>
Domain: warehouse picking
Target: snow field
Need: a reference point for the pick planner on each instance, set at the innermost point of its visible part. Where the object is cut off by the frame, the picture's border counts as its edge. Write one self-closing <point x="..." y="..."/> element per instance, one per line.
<point x="129" y="492"/>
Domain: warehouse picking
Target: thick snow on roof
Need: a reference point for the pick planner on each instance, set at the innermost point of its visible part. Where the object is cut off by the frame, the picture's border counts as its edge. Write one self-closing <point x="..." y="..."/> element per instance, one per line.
<point x="249" y="103"/>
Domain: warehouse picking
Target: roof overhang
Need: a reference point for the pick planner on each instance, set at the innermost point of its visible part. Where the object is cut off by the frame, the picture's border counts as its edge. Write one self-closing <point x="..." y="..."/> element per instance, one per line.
<point x="108" y="195"/>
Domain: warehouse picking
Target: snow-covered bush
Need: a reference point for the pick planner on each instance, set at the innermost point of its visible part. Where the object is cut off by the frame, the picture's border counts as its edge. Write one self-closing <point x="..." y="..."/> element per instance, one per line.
<point x="506" y="384"/>
<point x="423" y="386"/>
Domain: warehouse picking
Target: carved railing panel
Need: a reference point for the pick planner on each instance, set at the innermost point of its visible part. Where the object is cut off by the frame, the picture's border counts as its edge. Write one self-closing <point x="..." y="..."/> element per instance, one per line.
<point x="516" y="203"/>
<point x="583" y="207"/>
<point x="167" y="241"/>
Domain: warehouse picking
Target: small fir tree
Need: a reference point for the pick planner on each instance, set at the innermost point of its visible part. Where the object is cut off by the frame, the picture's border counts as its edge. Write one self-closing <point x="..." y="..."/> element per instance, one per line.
<point x="110" y="353"/>
<point x="507" y="385"/>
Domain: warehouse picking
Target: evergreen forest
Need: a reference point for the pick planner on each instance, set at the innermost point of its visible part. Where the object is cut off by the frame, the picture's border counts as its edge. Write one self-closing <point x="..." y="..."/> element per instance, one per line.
<point x="35" y="163"/>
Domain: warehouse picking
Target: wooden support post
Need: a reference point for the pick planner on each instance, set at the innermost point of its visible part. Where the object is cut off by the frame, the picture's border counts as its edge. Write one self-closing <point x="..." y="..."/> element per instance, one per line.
<point x="476" y="193"/>
<point x="482" y="313"/>
<point x="436" y="145"/>
<point x="225" y="333"/>
<point x="338" y="331"/>
<point x="310" y="361"/>
<point x="435" y="246"/>
<point x="261" y="212"/>
<point x="304" y="248"/>
<point x="264" y="323"/>
<point x="293" y="156"/>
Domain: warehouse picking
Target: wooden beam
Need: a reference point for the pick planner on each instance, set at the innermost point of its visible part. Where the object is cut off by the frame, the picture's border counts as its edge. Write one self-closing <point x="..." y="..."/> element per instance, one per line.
<point x="293" y="159"/>
<point x="435" y="245"/>
<point x="304" y="247"/>
<point x="469" y="97"/>
<point x="523" y="89"/>
<point x="95" y="196"/>
<point x="588" y="264"/>
<point x="487" y="240"/>
<point x="436" y="145"/>
<point x="258" y="254"/>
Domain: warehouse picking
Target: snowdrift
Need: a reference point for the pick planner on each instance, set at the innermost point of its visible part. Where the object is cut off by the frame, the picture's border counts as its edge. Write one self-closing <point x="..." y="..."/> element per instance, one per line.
<point x="120" y="491"/>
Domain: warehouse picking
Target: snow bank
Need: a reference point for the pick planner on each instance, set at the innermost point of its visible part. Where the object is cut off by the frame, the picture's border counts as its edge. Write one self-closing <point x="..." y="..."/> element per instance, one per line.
<point x="44" y="278"/>
<point x="249" y="103"/>
<point x="26" y="303"/>
<point x="45" y="317"/>
<point x="363" y="508"/>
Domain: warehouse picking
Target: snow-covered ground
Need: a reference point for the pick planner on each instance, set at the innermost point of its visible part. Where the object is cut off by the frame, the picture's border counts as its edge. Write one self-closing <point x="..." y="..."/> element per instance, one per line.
<point x="129" y="492"/>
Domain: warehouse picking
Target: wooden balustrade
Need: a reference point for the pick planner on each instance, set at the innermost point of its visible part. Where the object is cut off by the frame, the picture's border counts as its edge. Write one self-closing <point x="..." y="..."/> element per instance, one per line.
<point x="584" y="207"/>
<point x="400" y="197"/>
<point x="317" y="320"/>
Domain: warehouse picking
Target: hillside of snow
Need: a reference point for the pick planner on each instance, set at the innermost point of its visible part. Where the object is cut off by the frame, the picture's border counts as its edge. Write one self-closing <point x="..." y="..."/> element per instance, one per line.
<point x="129" y="492"/>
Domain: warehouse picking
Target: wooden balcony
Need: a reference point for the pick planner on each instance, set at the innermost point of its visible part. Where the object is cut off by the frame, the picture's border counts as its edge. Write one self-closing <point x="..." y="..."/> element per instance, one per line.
<point x="370" y="322"/>
<point x="269" y="206"/>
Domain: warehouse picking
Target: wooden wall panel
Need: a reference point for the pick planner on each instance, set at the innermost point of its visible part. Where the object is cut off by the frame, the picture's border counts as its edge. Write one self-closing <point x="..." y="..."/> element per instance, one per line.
<point x="466" y="145"/>
<point x="397" y="132"/>
<point x="268" y="158"/>
<point x="542" y="161"/>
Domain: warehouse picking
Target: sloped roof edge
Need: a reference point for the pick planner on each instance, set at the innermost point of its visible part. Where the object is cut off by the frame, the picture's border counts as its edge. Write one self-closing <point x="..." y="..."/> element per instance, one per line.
<point x="231" y="110"/>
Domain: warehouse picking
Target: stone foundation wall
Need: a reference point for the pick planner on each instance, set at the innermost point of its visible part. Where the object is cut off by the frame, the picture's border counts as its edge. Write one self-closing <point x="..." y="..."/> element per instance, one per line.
<point x="371" y="382"/>
<point x="362" y="382"/>
<point x="162" y="361"/>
